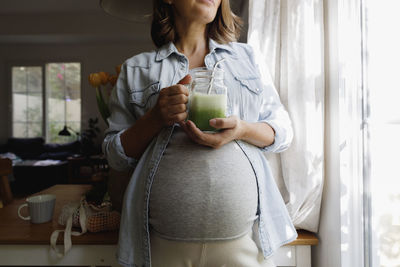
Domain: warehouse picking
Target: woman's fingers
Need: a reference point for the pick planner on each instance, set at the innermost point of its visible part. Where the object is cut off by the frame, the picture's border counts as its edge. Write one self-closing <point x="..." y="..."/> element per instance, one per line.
<point x="190" y="130"/>
<point x="178" y="99"/>
<point x="214" y="140"/>
<point x="176" y="90"/>
<point x="230" y="130"/>
<point x="224" y="123"/>
<point x="186" y="80"/>
<point x="176" y="109"/>
<point x="178" y="117"/>
<point x="185" y="128"/>
<point x="196" y="132"/>
<point x="171" y="104"/>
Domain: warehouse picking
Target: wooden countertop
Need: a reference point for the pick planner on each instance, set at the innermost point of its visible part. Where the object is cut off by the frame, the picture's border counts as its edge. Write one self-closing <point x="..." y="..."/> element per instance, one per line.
<point x="14" y="230"/>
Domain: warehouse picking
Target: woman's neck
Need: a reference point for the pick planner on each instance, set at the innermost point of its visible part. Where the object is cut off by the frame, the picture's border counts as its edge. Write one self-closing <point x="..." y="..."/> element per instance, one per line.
<point x="192" y="42"/>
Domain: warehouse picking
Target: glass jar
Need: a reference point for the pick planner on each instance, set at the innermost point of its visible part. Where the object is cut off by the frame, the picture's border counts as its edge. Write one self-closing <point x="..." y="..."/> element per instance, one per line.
<point x="207" y="97"/>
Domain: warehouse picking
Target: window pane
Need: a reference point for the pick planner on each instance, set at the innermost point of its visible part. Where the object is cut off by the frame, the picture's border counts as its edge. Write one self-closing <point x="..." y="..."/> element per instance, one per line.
<point x="63" y="87"/>
<point x="55" y="109"/>
<point x="73" y="105"/>
<point x="19" y="107"/>
<point x="20" y="129"/>
<point x="19" y="80"/>
<point x="73" y="82"/>
<point x="35" y="107"/>
<point x="35" y="79"/>
<point x="54" y="81"/>
<point x="34" y="129"/>
<point x="383" y="72"/>
<point x="27" y="99"/>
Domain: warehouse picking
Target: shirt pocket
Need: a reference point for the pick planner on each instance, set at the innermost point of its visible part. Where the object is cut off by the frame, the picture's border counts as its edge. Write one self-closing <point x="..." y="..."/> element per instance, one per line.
<point x="145" y="97"/>
<point x="251" y="89"/>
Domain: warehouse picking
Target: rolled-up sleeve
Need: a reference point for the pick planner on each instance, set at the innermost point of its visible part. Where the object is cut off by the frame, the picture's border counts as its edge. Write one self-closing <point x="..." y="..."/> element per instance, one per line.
<point x="121" y="118"/>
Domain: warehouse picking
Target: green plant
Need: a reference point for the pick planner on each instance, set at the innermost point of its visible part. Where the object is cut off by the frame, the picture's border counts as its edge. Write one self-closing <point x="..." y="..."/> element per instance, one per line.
<point x="103" y="79"/>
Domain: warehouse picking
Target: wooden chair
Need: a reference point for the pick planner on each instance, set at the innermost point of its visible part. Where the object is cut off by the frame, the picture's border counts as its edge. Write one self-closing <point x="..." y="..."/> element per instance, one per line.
<point x="5" y="190"/>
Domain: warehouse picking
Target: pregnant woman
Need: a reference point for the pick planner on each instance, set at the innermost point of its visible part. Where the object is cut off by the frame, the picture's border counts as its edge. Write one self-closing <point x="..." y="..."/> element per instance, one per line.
<point x="197" y="198"/>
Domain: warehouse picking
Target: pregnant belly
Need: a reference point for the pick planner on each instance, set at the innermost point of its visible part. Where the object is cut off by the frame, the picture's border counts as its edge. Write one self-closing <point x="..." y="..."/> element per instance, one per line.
<point x="200" y="193"/>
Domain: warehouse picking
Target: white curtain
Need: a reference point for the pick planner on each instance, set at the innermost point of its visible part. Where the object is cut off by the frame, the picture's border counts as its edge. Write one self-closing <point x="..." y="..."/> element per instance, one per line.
<point x="287" y="36"/>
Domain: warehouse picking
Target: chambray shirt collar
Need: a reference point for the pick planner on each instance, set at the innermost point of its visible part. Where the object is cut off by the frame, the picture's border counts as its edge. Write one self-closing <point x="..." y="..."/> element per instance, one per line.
<point x="166" y="50"/>
<point x="213" y="46"/>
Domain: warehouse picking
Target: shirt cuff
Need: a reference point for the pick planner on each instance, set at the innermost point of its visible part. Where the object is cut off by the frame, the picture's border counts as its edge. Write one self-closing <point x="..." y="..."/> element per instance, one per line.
<point x="116" y="155"/>
<point x="279" y="143"/>
<point x="121" y="152"/>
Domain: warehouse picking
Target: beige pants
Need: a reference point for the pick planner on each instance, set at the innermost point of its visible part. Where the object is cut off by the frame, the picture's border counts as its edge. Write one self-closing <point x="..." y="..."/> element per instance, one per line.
<point x="241" y="252"/>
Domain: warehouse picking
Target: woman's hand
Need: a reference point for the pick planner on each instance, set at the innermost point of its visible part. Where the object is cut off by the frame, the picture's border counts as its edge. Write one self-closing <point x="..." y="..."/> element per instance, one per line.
<point x="170" y="108"/>
<point x="230" y="129"/>
<point x="171" y="104"/>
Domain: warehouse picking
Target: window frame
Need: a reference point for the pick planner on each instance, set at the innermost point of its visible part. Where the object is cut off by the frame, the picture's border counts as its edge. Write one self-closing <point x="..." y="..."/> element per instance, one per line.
<point x="38" y="63"/>
<point x="342" y="221"/>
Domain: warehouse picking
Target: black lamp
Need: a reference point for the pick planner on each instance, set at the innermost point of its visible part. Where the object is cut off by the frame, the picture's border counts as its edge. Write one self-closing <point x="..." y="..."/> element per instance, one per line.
<point x="64" y="132"/>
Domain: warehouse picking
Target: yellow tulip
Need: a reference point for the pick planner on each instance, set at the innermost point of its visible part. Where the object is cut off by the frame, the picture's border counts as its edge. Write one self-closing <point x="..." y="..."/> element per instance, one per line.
<point x="104" y="77"/>
<point x="95" y="79"/>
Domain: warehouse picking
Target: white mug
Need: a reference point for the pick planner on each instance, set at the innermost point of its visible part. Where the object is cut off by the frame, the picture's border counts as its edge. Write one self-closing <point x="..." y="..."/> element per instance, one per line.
<point x="41" y="208"/>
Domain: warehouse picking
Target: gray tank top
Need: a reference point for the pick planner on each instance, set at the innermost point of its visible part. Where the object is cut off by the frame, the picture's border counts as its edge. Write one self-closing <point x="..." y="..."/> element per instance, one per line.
<point x="202" y="194"/>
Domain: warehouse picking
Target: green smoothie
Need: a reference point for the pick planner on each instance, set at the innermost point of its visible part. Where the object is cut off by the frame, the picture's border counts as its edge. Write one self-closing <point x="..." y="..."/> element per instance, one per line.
<point x="205" y="107"/>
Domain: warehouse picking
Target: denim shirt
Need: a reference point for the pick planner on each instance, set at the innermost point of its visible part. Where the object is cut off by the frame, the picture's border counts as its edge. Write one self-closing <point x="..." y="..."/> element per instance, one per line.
<point x="250" y="97"/>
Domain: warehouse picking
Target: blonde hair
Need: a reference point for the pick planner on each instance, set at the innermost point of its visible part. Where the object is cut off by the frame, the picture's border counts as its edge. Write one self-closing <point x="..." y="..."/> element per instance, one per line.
<point x="224" y="28"/>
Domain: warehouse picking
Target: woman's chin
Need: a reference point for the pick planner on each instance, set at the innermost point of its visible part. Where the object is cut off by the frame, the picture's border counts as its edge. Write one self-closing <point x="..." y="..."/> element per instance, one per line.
<point x="207" y="2"/>
<point x="205" y="15"/>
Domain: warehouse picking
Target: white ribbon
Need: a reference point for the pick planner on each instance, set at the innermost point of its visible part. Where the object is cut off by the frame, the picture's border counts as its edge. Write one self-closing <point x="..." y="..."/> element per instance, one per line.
<point x="67" y="231"/>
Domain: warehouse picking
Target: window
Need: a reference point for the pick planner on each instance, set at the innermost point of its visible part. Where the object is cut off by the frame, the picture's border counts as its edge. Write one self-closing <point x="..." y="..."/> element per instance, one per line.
<point x="45" y="99"/>
<point x="383" y="57"/>
<point x="63" y="99"/>
<point x="27" y="101"/>
<point x="368" y="56"/>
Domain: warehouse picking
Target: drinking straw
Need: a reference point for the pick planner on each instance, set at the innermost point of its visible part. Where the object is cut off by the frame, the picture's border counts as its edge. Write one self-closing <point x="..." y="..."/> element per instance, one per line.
<point x="212" y="75"/>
